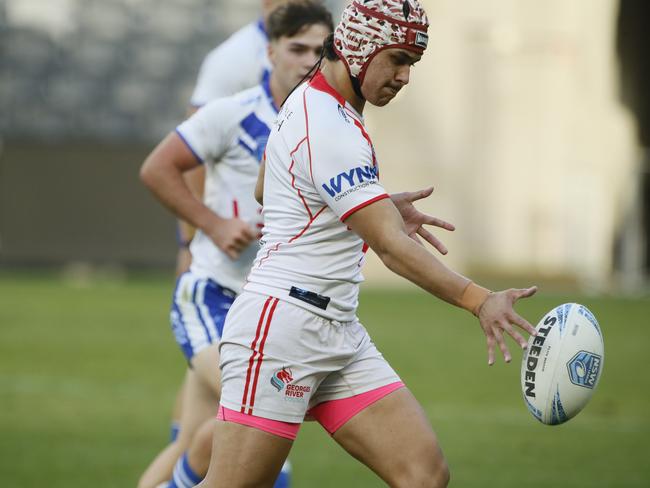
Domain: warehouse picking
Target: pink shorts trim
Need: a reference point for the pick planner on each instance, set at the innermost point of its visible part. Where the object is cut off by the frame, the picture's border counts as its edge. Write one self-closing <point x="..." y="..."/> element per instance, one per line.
<point x="287" y="430"/>
<point x="334" y="413"/>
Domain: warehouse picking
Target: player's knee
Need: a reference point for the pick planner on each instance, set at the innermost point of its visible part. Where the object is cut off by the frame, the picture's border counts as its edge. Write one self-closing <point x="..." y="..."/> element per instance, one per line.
<point x="427" y="468"/>
<point x="442" y="475"/>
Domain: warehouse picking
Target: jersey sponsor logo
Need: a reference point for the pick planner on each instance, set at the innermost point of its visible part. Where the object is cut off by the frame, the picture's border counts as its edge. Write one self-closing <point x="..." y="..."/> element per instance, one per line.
<point x="281" y="378"/>
<point x="351" y="180"/>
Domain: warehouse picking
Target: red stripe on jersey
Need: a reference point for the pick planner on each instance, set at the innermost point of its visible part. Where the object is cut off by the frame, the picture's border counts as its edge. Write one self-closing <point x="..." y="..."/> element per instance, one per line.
<point x="308" y="224"/>
<point x="364" y="204"/>
<point x="367" y="138"/>
<point x="277" y="246"/>
<point x="304" y="104"/>
<point x="293" y="178"/>
<point x="252" y="358"/>
<point x="235" y="209"/>
<point x="261" y="356"/>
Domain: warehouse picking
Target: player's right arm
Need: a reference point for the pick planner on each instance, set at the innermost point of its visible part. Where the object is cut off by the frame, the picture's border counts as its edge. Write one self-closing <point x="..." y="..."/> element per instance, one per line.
<point x="195" y="180"/>
<point x="382" y="228"/>
<point x="162" y="172"/>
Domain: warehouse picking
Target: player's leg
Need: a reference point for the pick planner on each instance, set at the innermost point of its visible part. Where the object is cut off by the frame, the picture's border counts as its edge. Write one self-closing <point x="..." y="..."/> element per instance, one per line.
<point x="394" y="438"/>
<point x="193" y="465"/>
<point x="245" y="456"/>
<point x="197" y="317"/>
<point x="258" y="343"/>
<point x="196" y="330"/>
<point x="368" y="411"/>
<point x="176" y="412"/>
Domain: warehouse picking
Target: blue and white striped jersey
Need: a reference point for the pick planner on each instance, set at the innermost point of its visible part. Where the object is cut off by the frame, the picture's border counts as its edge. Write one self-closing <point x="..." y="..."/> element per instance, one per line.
<point x="229" y="136"/>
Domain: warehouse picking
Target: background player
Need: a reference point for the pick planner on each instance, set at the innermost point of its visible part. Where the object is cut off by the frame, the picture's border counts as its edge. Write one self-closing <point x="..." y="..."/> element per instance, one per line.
<point x="240" y="62"/>
<point x="229" y="136"/>
<point x="292" y="342"/>
<point x="247" y="50"/>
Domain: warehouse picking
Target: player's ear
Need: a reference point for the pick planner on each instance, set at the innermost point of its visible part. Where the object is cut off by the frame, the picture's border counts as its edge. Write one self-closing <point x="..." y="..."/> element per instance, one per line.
<point x="270" y="51"/>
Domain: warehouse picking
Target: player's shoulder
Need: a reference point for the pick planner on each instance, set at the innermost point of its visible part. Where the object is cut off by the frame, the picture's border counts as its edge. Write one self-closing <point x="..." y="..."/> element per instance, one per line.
<point x="237" y="105"/>
<point x="330" y="117"/>
<point x="224" y="114"/>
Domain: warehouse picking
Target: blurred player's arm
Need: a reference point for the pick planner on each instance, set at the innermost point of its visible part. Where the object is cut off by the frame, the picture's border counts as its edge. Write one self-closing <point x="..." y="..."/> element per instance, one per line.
<point x="381" y="226"/>
<point x="162" y="172"/>
<point x="195" y="180"/>
<point x="259" y="185"/>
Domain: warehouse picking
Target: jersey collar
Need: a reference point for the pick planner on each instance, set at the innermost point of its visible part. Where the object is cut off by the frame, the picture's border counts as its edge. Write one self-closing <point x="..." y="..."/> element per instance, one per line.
<point x="319" y="83"/>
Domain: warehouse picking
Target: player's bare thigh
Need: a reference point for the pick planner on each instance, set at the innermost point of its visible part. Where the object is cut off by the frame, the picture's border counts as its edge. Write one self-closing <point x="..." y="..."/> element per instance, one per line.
<point x="201" y="393"/>
<point x="205" y="365"/>
<point x="394" y="438"/>
<point x="244" y="456"/>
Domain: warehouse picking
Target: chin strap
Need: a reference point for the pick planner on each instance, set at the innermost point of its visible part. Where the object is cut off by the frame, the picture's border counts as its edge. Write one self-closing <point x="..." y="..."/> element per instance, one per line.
<point x="310" y="75"/>
<point x="356" y="86"/>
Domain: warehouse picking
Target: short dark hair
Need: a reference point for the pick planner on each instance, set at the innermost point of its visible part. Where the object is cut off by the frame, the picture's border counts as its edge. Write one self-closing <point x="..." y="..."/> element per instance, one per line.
<point x="328" y="48"/>
<point x="290" y="18"/>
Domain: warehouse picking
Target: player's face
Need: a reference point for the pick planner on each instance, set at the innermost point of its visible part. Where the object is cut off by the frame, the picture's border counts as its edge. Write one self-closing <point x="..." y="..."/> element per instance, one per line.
<point x="387" y="73"/>
<point x="293" y="57"/>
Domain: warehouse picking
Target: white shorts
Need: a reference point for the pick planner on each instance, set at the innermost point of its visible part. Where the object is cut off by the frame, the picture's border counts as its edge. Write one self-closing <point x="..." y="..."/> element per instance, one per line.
<point x="199" y="309"/>
<point x="278" y="360"/>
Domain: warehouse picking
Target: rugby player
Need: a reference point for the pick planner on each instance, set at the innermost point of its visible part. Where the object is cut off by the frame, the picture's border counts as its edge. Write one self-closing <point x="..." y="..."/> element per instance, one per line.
<point x="227" y="137"/>
<point x="292" y="344"/>
<point x="246" y="49"/>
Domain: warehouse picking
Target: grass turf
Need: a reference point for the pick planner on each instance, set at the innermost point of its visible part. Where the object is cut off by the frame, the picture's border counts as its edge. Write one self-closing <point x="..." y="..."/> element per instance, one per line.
<point x="88" y="374"/>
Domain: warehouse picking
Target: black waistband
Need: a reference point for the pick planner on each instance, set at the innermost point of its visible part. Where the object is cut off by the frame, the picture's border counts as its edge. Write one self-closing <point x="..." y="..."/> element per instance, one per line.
<point x="310" y="297"/>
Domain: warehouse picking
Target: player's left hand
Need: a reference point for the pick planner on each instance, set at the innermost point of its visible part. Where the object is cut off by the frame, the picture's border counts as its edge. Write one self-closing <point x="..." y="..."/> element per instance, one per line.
<point x="497" y="317"/>
<point x="414" y="220"/>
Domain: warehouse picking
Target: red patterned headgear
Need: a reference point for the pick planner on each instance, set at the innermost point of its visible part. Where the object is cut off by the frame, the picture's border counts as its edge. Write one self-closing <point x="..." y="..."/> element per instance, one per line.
<point x="367" y="27"/>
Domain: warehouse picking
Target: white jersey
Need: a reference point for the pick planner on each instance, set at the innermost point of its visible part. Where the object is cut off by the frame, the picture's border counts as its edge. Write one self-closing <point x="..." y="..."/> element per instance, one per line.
<point x="237" y="64"/>
<point x="229" y="136"/>
<point x="320" y="168"/>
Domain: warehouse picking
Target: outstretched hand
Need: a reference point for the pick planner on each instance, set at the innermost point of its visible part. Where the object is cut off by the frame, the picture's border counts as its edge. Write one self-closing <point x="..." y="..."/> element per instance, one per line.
<point x="497" y="316"/>
<point x="414" y="220"/>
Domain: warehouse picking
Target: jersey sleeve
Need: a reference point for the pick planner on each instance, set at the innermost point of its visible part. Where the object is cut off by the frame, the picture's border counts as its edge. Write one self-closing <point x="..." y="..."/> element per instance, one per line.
<point x="209" y="131"/>
<point x="344" y="173"/>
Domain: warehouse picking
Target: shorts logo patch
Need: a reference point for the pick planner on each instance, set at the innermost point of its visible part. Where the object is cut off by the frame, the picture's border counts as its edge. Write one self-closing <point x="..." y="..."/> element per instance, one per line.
<point x="281" y="378"/>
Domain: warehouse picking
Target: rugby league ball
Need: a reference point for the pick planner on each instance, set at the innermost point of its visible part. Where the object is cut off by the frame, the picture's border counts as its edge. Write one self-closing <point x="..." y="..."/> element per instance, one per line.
<point x="562" y="364"/>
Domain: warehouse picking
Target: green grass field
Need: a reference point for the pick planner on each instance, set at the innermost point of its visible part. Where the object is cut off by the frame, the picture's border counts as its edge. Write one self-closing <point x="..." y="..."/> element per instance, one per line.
<point x="88" y="374"/>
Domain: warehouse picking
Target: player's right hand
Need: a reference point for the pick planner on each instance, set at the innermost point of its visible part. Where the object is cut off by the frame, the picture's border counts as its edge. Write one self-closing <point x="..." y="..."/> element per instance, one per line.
<point x="232" y="236"/>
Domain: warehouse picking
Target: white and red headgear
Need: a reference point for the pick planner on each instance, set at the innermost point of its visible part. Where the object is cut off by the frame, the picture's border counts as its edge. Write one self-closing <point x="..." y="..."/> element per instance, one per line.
<point x="367" y="27"/>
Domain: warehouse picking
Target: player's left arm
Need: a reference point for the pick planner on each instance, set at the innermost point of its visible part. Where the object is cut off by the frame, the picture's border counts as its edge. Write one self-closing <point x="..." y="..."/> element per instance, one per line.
<point x="414" y="220"/>
<point x="380" y="225"/>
